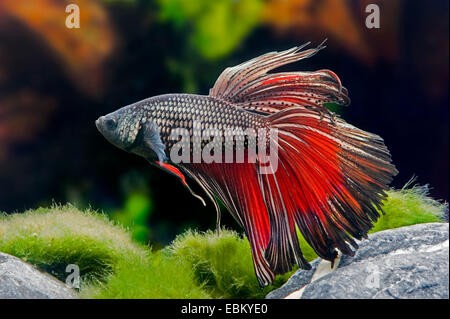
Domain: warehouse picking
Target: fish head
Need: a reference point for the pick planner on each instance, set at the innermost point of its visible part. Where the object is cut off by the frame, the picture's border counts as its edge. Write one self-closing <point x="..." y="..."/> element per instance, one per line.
<point x="121" y="127"/>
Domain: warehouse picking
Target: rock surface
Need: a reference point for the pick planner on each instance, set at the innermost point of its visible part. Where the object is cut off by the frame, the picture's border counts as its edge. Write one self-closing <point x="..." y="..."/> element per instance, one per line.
<point x="19" y="280"/>
<point x="407" y="262"/>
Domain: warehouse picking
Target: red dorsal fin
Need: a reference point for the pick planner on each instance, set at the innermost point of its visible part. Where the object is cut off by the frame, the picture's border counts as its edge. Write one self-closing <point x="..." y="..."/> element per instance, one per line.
<point x="249" y="86"/>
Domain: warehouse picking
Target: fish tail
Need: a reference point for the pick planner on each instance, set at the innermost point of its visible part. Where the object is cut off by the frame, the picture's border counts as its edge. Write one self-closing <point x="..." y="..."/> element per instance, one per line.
<point x="330" y="181"/>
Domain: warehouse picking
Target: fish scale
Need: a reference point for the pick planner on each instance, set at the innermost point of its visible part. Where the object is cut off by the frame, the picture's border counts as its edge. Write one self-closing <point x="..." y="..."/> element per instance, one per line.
<point x="173" y="111"/>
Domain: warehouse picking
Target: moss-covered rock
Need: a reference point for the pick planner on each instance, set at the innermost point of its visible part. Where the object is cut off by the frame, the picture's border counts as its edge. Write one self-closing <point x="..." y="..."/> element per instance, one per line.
<point x="195" y="265"/>
<point x="111" y="264"/>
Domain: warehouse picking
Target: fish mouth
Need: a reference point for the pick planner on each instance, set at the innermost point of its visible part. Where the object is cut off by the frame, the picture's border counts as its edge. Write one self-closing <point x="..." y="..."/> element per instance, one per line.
<point x="98" y="122"/>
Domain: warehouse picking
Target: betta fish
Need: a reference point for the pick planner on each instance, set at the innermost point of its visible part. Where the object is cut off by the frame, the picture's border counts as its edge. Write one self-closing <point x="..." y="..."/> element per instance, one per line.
<point x="330" y="176"/>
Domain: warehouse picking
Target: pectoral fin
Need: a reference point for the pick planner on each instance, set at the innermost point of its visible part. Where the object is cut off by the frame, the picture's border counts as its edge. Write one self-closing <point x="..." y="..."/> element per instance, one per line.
<point x="152" y="141"/>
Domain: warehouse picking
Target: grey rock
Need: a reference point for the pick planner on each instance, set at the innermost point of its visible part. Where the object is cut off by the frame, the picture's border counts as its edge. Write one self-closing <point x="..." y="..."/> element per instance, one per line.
<point x="408" y="263"/>
<point x="20" y="280"/>
<point x="299" y="279"/>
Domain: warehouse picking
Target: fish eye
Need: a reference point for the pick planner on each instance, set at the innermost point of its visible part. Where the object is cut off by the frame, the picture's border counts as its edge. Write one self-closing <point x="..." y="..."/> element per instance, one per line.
<point x="111" y="124"/>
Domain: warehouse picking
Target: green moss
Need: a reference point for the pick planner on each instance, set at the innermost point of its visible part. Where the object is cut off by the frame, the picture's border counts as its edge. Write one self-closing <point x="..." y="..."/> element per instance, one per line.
<point x="409" y="206"/>
<point x="155" y="277"/>
<point x="52" y="238"/>
<point x="222" y="262"/>
<point x="111" y="264"/>
<point x="195" y="265"/>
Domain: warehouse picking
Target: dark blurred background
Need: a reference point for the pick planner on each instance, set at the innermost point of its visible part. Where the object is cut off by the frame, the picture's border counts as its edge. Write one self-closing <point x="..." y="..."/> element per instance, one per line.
<point x="55" y="81"/>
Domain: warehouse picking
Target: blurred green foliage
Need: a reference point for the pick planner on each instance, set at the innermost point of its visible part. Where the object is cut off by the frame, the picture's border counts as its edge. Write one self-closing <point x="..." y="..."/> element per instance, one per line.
<point x="134" y="216"/>
<point x="214" y="28"/>
<point x="137" y="206"/>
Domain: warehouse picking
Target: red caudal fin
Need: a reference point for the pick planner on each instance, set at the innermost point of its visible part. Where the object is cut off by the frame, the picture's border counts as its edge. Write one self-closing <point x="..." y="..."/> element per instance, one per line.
<point x="330" y="182"/>
<point x="249" y="86"/>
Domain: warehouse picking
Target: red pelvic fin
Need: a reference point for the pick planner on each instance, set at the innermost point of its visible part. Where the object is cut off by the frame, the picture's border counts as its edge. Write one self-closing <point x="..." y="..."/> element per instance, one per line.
<point x="176" y="172"/>
<point x="173" y="170"/>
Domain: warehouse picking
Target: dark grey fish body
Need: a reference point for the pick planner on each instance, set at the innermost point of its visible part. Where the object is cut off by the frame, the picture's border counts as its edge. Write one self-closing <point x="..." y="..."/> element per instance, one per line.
<point x="145" y="127"/>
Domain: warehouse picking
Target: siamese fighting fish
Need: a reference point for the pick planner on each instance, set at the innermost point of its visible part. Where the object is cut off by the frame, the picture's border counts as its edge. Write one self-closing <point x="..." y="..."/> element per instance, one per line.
<point x="266" y="146"/>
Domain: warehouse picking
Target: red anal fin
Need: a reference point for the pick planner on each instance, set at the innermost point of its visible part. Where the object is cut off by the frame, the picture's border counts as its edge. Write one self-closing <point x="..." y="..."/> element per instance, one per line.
<point x="238" y="187"/>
